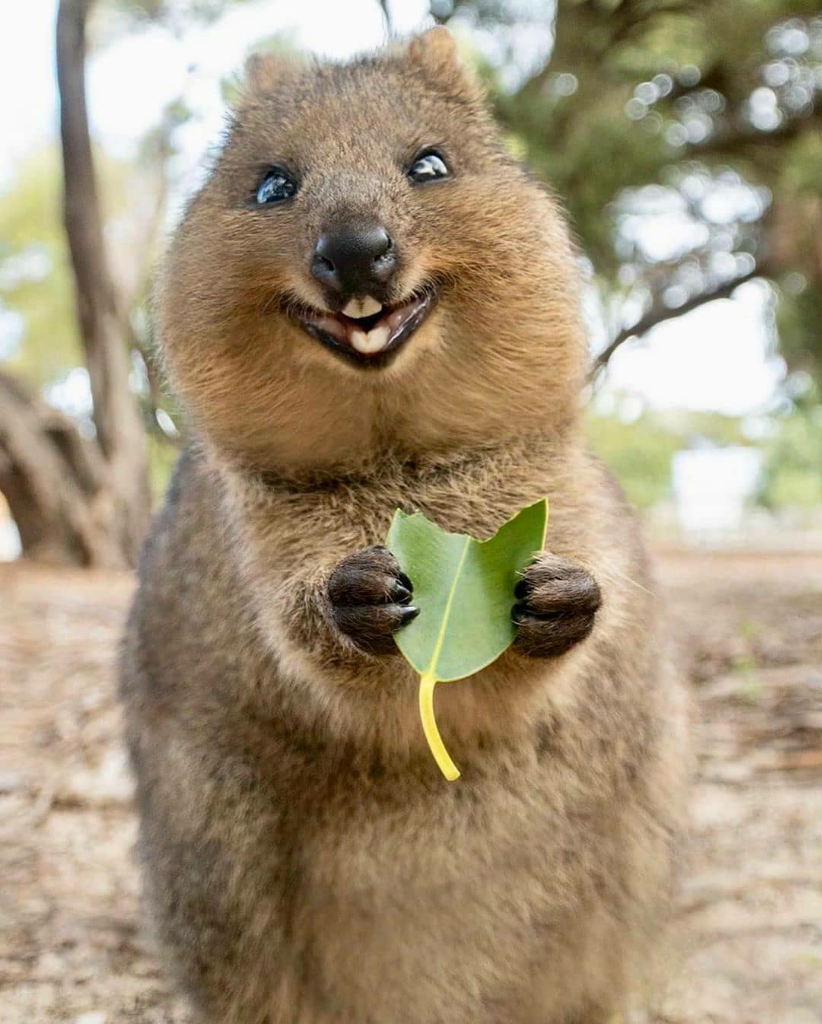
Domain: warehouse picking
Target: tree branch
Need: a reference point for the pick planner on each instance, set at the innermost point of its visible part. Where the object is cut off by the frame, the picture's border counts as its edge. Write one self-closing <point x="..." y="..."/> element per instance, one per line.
<point x="659" y="313"/>
<point x="741" y="138"/>
<point x="386" y="13"/>
<point x="630" y="16"/>
<point x="116" y="415"/>
<point x="54" y="483"/>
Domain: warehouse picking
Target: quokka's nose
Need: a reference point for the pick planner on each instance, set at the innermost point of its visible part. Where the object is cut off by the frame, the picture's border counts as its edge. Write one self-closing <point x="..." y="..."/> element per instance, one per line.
<point x="355" y="259"/>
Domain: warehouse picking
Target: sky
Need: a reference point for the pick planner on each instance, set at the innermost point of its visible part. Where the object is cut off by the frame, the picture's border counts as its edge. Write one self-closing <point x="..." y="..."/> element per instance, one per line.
<point x="715" y="358"/>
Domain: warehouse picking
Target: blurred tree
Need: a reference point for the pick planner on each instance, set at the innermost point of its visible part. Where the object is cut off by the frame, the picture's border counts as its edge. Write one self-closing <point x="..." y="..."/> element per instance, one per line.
<point x="686" y="139"/>
<point x="79" y="498"/>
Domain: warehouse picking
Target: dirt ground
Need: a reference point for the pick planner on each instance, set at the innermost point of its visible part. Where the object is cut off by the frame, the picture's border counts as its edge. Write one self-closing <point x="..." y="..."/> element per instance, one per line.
<point x="750" y="915"/>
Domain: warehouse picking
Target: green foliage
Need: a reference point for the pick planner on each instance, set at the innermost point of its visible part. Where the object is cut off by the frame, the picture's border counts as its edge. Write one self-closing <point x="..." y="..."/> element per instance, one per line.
<point x="793" y="461"/>
<point x="801" y="166"/>
<point x="799" y="321"/>
<point x="639" y="454"/>
<point x="639" y="451"/>
<point x="35" y="277"/>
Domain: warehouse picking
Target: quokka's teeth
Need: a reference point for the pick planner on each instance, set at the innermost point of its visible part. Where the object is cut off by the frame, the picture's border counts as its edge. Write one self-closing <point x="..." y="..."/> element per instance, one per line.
<point x="374" y="341"/>
<point x="359" y="308"/>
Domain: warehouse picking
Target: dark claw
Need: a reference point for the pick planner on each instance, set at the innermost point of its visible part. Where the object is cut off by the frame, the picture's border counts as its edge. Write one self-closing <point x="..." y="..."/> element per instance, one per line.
<point x="408" y="613"/>
<point x="406" y="582"/>
<point x="518" y="612"/>
<point x="399" y="593"/>
<point x="521" y="589"/>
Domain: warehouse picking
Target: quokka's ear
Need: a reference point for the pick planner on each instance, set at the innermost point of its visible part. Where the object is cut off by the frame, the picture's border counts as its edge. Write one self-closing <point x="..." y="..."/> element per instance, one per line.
<point x="435" y="51"/>
<point x="264" y="71"/>
<point x="437" y="45"/>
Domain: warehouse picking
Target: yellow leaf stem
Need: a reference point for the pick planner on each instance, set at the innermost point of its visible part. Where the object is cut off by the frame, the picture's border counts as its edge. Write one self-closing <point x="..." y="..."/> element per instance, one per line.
<point x="429" y="724"/>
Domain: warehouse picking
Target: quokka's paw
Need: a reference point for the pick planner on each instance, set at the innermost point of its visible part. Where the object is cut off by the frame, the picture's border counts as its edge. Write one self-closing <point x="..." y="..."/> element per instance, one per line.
<point x="371" y="598"/>
<point x="557" y="602"/>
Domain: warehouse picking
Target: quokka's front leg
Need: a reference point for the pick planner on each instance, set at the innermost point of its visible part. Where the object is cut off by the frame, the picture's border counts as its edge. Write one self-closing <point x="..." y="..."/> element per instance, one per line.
<point x="557" y="604"/>
<point x="371" y="598"/>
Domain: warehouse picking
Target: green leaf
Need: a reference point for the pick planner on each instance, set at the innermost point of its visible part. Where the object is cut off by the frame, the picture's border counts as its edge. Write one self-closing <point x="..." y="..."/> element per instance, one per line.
<point x="465" y="591"/>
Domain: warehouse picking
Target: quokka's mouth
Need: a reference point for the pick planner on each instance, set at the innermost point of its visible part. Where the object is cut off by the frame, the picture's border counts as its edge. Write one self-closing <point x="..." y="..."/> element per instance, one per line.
<point x="372" y="340"/>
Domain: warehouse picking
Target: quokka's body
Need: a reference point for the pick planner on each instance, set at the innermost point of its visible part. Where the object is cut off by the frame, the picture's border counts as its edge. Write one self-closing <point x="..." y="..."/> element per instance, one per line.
<point x="304" y="860"/>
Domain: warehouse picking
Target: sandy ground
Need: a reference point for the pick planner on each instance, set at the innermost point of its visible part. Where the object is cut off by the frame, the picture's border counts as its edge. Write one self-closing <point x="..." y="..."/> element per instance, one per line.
<point x="750" y="915"/>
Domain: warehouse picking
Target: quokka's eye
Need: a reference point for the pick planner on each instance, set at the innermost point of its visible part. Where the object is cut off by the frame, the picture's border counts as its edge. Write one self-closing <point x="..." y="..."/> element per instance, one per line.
<point x="276" y="187"/>
<point x="428" y="166"/>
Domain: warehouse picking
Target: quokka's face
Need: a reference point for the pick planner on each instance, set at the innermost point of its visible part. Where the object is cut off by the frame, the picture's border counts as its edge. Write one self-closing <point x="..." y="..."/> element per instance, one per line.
<point x="367" y="269"/>
<point x="351" y="204"/>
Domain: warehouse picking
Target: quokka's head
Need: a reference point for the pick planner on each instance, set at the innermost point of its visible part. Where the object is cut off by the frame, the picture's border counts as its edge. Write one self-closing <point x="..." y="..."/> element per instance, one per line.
<point x="367" y="267"/>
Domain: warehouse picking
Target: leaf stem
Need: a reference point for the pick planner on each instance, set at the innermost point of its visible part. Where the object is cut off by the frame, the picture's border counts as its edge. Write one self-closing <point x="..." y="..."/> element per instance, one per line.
<point x="429" y="724"/>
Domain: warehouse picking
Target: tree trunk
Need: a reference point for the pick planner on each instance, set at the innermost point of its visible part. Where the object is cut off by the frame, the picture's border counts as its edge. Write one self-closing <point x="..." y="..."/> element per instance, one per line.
<point x="54" y="483"/>
<point x="120" y="433"/>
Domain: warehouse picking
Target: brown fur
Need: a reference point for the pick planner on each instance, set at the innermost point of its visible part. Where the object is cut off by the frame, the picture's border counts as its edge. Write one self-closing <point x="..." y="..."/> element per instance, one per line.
<point x="304" y="859"/>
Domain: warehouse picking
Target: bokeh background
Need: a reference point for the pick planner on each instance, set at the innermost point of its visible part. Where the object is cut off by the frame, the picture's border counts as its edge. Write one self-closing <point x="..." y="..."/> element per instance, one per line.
<point x="683" y="136"/>
<point x="685" y="139"/>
